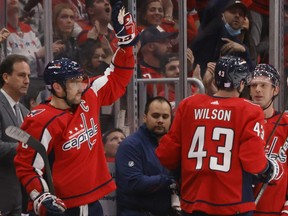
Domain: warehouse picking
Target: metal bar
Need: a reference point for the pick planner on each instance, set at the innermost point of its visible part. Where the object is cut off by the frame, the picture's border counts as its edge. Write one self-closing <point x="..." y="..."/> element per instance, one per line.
<point x="276" y="46"/>
<point x="48" y="31"/>
<point x="132" y="90"/>
<point x="182" y="48"/>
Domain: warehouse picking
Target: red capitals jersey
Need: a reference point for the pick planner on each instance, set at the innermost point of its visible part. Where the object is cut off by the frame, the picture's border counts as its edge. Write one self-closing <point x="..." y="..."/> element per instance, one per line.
<point x="149" y="72"/>
<point x="218" y="144"/>
<point x="73" y="140"/>
<point x="274" y="197"/>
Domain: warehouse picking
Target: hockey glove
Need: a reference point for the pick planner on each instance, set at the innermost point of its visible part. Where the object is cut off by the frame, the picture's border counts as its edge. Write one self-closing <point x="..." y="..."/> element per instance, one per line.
<point x="175" y="200"/>
<point x="47" y="204"/>
<point x="124" y="26"/>
<point x="274" y="171"/>
<point x="284" y="211"/>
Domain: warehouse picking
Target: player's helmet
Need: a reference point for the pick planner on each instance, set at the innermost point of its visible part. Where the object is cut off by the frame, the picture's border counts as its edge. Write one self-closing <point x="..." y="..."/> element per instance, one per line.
<point x="268" y="71"/>
<point x="61" y="70"/>
<point x="230" y="71"/>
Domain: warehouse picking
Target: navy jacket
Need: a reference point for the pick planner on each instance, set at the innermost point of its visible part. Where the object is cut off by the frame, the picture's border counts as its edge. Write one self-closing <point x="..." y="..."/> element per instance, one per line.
<point x="142" y="182"/>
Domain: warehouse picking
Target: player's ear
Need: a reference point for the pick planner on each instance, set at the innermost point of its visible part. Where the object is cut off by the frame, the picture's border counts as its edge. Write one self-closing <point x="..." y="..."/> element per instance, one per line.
<point x="242" y="85"/>
<point x="57" y="87"/>
<point x="276" y="91"/>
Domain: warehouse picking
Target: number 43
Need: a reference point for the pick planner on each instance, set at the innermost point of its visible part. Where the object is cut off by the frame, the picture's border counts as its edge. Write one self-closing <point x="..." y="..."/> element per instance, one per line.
<point x="197" y="148"/>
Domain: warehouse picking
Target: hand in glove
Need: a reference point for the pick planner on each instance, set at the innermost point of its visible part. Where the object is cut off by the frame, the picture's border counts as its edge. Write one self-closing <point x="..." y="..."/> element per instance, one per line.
<point x="273" y="172"/>
<point x="47" y="204"/>
<point x="124" y="26"/>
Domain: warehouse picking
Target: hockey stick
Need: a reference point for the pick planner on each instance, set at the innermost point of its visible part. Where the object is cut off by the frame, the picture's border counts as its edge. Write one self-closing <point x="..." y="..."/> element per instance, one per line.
<point x="22" y="136"/>
<point x="264" y="186"/>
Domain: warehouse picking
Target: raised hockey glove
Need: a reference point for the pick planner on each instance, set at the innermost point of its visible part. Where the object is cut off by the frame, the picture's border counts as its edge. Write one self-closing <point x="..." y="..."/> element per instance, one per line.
<point x="273" y="172"/>
<point x="47" y="204"/>
<point x="124" y="26"/>
<point x="284" y="211"/>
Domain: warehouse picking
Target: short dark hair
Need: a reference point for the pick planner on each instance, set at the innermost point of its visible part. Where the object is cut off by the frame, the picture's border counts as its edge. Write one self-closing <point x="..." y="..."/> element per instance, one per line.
<point x="157" y="98"/>
<point x="7" y="65"/>
<point x="107" y="133"/>
<point x="167" y="59"/>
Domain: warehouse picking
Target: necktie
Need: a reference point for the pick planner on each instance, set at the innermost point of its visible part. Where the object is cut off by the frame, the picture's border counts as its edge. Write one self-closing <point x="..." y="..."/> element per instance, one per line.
<point x="18" y="114"/>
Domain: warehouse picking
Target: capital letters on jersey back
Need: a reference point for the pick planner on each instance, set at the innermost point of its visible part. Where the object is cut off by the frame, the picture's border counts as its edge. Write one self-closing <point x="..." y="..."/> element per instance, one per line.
<point x="224" y="115"/>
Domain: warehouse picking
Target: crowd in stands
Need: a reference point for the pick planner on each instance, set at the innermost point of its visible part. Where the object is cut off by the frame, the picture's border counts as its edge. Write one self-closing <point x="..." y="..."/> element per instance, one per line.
<point x="82" y="31"/>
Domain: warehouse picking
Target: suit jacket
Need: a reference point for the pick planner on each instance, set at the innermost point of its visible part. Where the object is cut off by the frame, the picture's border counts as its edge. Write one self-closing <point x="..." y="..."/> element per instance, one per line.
<point x="10" y="190"/>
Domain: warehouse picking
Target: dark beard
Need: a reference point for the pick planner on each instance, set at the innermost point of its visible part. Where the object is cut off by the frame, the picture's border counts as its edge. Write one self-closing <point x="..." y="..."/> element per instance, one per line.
<point x="157" y="133"/>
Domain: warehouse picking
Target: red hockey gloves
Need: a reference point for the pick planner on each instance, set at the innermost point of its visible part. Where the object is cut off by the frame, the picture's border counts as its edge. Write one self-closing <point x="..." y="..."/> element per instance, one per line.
<point x="284" y="211"/>
<point x="273" y="172"/>
<point x="124" y="26"/>
<point x="47" y="204"/>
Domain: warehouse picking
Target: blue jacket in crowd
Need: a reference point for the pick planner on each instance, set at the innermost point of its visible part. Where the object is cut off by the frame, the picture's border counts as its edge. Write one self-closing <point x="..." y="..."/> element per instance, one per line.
<point x="142" y="182"/>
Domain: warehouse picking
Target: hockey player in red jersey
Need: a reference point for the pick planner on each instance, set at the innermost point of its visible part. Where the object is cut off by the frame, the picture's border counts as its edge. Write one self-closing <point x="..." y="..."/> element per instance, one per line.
<point x="217" y="142"/>
<point x="68" y="127"/>
<point x="264" y="88"/>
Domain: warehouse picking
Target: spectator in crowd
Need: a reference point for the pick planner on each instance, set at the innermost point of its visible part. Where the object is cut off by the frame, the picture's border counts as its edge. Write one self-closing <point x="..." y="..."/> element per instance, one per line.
<point x="264" y="86"/>
<point x="171" y="69"/>
<point x="22" y="40"/>
<point x="142" y="183"/>
<point x="111" y="140"/>
<point x="31" y="99"/>
<point x="152" y="13"/>
<point x="220" y="36"/>
<point x="215" y="143"/>
<point x="78" y="7"/>
<point x="32" y="13"/>
<point x="15" y="72"/>
<point x="155" y="44"/>
<point x="193" y="22"/>
<point x="72" y="115"/>
<point x="98" y="24"/>
<point x="63" y="25"/>
<point x="259" y="10"/>
<point x="95" y="56"/>
<point x="209" y="10"/>
<point x="246" y="38"/>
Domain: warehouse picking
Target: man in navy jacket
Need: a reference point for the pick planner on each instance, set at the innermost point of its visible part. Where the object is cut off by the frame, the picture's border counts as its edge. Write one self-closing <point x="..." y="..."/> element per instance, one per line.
<point x="142" y="182"/>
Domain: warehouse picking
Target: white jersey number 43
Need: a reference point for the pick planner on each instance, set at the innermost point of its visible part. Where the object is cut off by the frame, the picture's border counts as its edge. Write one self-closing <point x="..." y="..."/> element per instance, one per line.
<point x="197" y="148"/>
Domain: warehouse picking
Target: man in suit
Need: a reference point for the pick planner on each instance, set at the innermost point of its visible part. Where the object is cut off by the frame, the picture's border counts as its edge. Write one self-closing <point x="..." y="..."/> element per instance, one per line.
<point x="14" y="82"/>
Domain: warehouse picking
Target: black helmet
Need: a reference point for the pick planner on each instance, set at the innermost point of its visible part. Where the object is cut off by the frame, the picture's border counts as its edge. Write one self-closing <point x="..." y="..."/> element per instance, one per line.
<point x="61" y="70"/>
<point x="268" y="71"/>
<point x="230" y="71"/>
